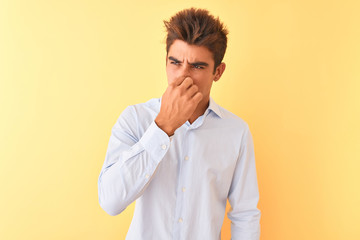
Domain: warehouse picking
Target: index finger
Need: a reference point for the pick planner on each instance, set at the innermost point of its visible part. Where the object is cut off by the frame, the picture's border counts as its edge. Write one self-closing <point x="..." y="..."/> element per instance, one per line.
<point x="179" y="80"/>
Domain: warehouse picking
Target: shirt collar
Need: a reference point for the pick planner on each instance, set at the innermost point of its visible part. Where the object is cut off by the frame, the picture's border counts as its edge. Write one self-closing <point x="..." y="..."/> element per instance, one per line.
<point x="213" y="106"/>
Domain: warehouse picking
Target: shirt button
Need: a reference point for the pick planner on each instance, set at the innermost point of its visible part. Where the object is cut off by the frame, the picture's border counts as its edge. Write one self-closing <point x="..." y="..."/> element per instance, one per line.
<point x="180" y="220"/>
<point x="183" y="189"/>
<point x="186" y="158"/>
<point x="163" y="146"/>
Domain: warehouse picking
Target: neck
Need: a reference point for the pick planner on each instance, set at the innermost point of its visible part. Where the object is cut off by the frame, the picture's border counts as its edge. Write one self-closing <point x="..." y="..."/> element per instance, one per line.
<point x="200" y="110"/>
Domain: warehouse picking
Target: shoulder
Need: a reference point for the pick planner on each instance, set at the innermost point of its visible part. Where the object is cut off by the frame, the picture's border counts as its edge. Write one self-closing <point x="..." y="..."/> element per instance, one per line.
<point x="230" y="128"/>
<point x="232" y="121"/>
<point x="137" y="118"/>
<point x="151" y="106"/>
<point x="148" y="108"/>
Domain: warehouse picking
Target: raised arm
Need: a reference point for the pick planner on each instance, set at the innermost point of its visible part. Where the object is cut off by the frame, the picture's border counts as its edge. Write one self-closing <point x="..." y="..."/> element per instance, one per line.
<point x="130" y="162"/>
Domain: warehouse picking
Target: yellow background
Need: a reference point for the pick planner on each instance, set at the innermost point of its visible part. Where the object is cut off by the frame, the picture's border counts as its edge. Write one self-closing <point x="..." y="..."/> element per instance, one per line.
<point x="69" y="68"/>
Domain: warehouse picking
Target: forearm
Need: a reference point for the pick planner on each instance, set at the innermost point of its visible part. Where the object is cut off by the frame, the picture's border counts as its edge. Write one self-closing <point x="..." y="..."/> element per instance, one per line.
<point x="127" y="172"/>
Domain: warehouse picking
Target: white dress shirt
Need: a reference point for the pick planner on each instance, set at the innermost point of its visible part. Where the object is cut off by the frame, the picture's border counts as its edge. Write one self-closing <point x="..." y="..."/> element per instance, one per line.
<point x="181" y="185"/>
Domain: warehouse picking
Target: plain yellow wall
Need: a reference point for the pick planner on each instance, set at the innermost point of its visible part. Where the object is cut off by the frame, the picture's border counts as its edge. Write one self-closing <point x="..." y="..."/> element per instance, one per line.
<point x="69" y="68"/>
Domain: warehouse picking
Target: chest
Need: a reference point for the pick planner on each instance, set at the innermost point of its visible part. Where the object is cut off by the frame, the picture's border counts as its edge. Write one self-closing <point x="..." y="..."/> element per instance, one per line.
<point x="202" y="159"/>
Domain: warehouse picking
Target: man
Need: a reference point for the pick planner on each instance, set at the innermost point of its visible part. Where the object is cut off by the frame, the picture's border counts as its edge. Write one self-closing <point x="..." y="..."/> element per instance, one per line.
<point x="182" y="156"/>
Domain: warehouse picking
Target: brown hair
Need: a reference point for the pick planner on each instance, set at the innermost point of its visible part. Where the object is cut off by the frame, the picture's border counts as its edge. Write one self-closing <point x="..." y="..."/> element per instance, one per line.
<point x="198" y="27"/>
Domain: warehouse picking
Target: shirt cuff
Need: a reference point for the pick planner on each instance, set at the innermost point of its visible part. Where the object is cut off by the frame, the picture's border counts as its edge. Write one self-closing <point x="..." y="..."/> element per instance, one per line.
<point x="156" y="142"/>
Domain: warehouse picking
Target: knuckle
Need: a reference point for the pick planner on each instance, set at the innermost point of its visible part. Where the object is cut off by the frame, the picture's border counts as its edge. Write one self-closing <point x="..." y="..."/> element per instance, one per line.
<point x="174" y="83"/>
<point x="194" y="101"/>
<point x="177" y="91"/>
<point x="170" y="88"/>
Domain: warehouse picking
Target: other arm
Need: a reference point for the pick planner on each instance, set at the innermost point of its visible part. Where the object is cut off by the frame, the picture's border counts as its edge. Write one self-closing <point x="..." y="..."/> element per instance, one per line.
<point x="244" y="194"/>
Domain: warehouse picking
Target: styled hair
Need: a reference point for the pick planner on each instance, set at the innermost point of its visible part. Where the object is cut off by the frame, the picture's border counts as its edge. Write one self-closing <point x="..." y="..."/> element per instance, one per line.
<point x="198" y="27"/>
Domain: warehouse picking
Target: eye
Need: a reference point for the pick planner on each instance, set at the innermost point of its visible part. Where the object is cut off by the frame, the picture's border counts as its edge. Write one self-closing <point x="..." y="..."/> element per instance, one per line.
<point x="175" y="63"/>
<point x="198" y="67"/>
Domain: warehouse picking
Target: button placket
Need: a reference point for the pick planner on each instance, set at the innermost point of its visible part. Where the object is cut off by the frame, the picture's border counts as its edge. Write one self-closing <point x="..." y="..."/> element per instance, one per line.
<point x="181" y="188"/>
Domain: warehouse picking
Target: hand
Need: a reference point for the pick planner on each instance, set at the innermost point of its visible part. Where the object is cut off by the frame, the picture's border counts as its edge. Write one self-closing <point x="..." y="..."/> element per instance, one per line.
<point x="178" y="103"/>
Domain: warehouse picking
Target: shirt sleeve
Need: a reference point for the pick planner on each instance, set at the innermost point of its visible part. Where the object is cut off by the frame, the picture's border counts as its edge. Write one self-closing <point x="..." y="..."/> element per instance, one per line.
<point x="130" y="162"/>
<point x="244" y="194"/>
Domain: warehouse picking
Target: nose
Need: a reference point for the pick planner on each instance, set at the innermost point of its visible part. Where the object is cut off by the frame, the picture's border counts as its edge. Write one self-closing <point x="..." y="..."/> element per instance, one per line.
<point x="185" y="70"/>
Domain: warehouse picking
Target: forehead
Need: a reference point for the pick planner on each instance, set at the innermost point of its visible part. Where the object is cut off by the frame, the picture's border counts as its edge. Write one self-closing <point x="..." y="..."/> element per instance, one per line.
<point x="190" y="53"/>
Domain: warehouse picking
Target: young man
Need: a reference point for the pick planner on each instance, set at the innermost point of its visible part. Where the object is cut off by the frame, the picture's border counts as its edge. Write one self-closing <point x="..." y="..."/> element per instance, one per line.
<point x="182" y="156"/>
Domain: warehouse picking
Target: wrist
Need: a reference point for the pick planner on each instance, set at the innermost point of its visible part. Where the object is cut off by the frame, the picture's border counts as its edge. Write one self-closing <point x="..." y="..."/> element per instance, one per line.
<point x="166" y="127"/>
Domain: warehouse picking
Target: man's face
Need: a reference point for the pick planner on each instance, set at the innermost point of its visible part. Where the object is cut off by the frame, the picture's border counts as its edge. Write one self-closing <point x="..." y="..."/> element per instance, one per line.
<point x="184" y="60"/>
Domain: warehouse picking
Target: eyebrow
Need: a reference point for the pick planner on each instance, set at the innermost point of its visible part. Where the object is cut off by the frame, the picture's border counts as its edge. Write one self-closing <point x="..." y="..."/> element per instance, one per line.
<point x="194" y="63"/>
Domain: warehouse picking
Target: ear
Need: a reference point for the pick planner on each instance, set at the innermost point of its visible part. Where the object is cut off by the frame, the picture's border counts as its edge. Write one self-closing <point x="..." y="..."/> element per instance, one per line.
<point x="219" y="71"/>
